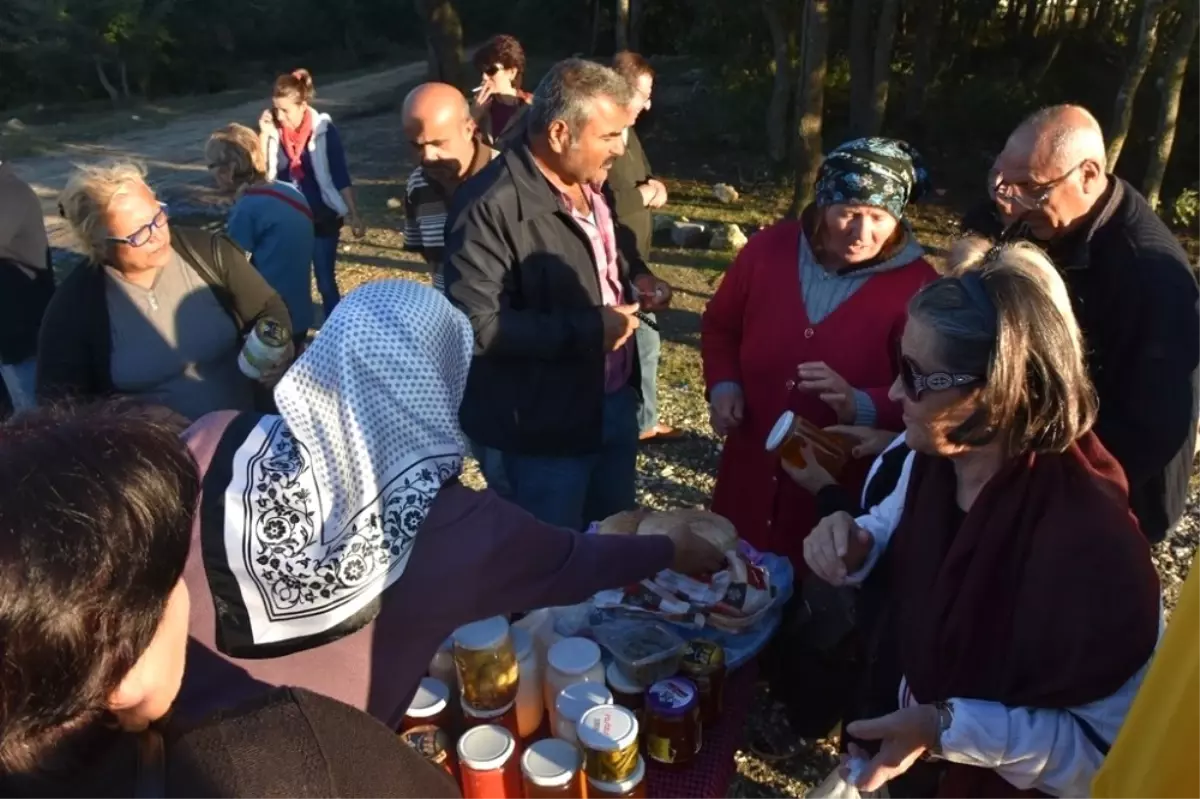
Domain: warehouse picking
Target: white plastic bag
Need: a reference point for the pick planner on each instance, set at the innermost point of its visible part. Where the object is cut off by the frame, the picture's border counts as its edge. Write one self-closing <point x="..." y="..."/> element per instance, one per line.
<point x="835" y="786"/>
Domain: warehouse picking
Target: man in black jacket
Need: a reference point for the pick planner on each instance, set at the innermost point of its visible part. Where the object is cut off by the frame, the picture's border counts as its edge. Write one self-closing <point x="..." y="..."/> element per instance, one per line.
<point x="531" y="258"/>
<point x="1133" y="292"/>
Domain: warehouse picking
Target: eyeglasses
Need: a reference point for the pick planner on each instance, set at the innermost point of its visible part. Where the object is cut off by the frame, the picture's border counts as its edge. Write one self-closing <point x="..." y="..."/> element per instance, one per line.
<point x="141" y="236"/>
<point x="1027" y="194"/>
<point x="492" y="70"/>
<point x="916" y="383"/>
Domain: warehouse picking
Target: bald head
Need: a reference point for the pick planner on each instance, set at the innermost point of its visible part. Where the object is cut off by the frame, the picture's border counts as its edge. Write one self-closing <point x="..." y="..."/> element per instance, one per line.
<point x="1060" y="136"/>
<point x="435" y="102"/>
<point x="437" y="123"/>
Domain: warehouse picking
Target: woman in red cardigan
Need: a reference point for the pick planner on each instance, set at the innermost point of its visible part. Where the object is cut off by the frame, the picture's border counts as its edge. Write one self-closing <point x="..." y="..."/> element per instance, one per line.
<point x="808" y="319"/>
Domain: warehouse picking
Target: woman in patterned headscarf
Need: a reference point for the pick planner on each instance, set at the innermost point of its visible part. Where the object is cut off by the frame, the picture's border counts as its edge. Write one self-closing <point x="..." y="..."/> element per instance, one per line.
<point x="335" y="548"/>
<point x="808" y="320"/>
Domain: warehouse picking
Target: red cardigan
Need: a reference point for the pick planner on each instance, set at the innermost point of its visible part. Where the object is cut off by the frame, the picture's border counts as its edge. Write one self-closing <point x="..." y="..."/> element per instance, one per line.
<point x="755" y="331"/>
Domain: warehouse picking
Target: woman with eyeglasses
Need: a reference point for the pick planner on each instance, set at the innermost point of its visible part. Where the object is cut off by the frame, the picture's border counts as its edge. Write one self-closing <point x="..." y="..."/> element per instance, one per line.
<point x="1021" y="605"/>
<point x="499" y="105"/>
<point x="807" y="320"/>
<point x="157" y="314"/>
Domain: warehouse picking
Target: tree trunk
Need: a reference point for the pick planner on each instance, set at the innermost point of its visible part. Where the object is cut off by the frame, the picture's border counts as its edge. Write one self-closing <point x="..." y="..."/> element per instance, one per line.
<point x="881" y="76"/>
<point x="781" y="88"/>
<point x="810" y="102"/>
<point x="1030" y="21"/>
<point x="1012" y="19"/>
<point x="861" y="72"/>
<point x="637" y="12"/>
<point x="928" y="15"/>
<point x="123" y="71"/>
<point x="597" y="14"/>
<point x="443" y="32"/>
<point x="113" y="94"/>
<point x="621" y="24"/>
<point x="1168" y="109"/>
<point x="1102" y="23"/>
<point x="1139" y="60"/>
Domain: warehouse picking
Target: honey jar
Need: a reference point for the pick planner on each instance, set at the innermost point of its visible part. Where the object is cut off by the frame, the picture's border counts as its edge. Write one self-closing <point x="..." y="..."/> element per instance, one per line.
<point x="433" y="744"/>
<point x="430" y="705"/>
<point x="487" y="664"/>
<point x="792" y="434"/>
<point x="704" y="664"/>
<point x="632" y="788"/>
<point x="609" y="737"/>
<point x="672" y="720"/>
<point x="487" y="759"/>
<point x="505" y="717"/>
<point x="625" y="691"/>
<point x="572" y="702"/>
<point x="552" y="769"/>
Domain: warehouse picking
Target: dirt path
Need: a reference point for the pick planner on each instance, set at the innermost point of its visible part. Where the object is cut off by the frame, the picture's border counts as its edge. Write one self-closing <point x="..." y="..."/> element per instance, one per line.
<point x="174" y="152"/>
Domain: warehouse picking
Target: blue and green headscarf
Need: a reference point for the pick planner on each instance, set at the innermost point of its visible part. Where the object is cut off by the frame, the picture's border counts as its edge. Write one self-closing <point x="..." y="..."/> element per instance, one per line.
<point x="884" y="173"/>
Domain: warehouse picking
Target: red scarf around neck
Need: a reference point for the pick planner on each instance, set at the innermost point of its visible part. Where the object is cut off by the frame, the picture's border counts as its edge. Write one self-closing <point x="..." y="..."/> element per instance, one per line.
<point x="294" y="141"/>
<point x="1045" y="595"/>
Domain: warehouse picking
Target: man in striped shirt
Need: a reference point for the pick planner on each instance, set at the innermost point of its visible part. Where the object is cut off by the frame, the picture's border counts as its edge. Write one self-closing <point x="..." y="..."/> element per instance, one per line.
<point x="437" y="123"/>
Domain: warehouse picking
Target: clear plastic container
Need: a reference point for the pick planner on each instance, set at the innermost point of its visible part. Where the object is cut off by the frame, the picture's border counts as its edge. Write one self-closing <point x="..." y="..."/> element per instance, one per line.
<point x="487" y="664"/>
<point x="645" y="652"/>
<point x="609" y="738"/>
<point x="531" y="707"/>
<point x="569" y="661"/>
<point x="572" y="702"/>
<point x="552" y="769"/>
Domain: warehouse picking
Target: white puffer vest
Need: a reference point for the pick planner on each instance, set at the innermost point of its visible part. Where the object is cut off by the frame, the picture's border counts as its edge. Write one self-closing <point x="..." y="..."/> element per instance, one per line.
<point x="320" y="160"/>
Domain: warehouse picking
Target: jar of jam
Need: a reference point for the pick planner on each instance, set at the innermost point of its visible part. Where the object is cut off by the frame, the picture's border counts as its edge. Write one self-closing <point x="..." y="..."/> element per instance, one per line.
<point x="632" y="788"/>
<point x="609" y="737"/>
<point x="572" y="702"/>
<point x="531" y="707"/>
<point x="793" y="434"/>
<point x="486" y="663"/>
<point x="505" y="717"/>
<point x="430" y="705"/>
<point x="625" y="691"/>
<point x="487" y="758"/>
<point x="552" y="769"/>
<point x="704" y="664"/>
<point x="433" y="744"/>
<point x="673" y="722"/>
<point x="569" y="661"/>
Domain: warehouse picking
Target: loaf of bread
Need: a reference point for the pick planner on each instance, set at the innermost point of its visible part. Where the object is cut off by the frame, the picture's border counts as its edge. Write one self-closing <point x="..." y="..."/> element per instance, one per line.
<point x="715" y="529"/>
<point x="623" y="523"/>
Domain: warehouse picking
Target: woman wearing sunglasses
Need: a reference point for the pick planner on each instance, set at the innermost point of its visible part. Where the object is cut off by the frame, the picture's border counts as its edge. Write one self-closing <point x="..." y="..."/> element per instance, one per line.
<point x="1021" y="602"/>
<point x="499" y="104"/>
<point x="156" y="313"/>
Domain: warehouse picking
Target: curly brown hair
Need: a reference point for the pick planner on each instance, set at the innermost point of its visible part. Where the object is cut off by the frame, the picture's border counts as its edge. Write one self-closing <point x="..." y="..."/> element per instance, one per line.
<point x="504" y="50"/>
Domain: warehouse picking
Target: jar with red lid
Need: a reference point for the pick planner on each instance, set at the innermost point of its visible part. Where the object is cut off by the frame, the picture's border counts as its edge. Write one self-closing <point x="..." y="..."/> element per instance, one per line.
<point x="505" y="717"/>
<point x="433" y="744"/>
<point x="487" y="759"/>
<point x="704" y="664"/>
<point x="552" y="769"/>
<point x="672" y="722"/>
<point x="632" y="788"/>
<point x="430" y="705"/>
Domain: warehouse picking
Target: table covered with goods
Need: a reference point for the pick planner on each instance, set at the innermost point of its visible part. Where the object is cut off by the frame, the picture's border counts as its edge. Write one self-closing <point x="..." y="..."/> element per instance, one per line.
<point x="638" y="692"/>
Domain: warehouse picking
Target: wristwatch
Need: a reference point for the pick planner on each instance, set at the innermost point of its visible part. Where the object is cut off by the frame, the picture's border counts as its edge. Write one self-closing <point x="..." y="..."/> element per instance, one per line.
<point x="945" y="714"/>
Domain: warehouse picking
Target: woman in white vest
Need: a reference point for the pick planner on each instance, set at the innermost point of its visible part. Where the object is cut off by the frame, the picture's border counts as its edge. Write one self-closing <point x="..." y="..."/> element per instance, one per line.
<point x="302" y="147"/>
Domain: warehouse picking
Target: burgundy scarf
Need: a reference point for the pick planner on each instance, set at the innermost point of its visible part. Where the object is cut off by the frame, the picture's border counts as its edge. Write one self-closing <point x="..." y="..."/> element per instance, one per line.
<point x="294" y="141"/>
<point x="1045" y="596"/>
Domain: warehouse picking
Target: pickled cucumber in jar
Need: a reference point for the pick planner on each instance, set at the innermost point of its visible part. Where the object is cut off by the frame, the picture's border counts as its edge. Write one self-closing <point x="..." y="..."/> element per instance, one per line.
<point x="486" y="663"/>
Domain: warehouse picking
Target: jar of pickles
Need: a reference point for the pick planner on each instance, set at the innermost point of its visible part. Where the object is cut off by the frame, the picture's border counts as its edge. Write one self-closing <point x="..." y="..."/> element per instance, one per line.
<point x="505" y="717"/>
<point x="625" y="691"/>
<point x="609" y="737"/>
<point x="430" y="705"/>
<point x="487" y="759"/>
<point x="433" y="744"/>
<point x="531" y="707"/>
<point x="486" y="664"/>
<point x="569" y="661"/>
<point x="672" y="721"/>
<point x="704" y="664"/>
<point x="572" y="702"/>
<point x="632" y="788"/>
<point x="552" y="769"/>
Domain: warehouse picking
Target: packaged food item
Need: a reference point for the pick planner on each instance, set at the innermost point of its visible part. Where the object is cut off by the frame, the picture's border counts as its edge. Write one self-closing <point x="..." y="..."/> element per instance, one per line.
<point x="505" y="717"/>
<point x="569" y="661"/>
<point x="487" y="664"/>
<point x="672" y="714"/>
<point x="531" y="708"/>
<point x="572" y="702"/>
<point x="627" y="692"/>
<point x="488" y="763"/>
<point x="552" y="769"/>
<point x="442" y="667"/>
<point x="609" y="737"/>
<point x="646" y="652"/>
<point x="793" y="434"/>
<point x="430" y="705"/>
<point x="704" y="664"/>
<point x="632" y="788"/>
<point x="433" y="744"/>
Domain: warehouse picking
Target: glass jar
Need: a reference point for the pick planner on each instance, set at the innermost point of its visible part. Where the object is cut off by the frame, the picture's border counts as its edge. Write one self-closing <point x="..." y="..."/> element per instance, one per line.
<point x="487" y="758"/>
<point x="572" y="702"/>
<point x="632" y="788"/>
<point x="609" y="737"/>
<point x="625" y="691"/>
<point x="531" y="707"/>
<point x="487" y="664"/>
<point x="430" y="705"/>
<point x="792" y="434"/>
<point x="505" y="717"/>
<point x="672" y="718"/>
<point x="552" y="769"/>
<point x="433" y="744"/>
<point x="442" y="666"/>
<point x="704" y="664"/>
<point x="569" y="661"/>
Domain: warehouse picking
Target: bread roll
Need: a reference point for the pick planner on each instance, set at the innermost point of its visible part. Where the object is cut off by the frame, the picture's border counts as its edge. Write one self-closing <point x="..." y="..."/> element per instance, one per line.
<point x="623" y="523"/>
<point x="717" y="530"/>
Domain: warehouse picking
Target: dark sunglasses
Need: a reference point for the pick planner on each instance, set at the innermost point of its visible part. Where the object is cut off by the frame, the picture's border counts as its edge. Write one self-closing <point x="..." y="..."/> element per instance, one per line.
<point x="142" y="235"/>
<point x="916" y="383"/>
<point x="492" y="70"/>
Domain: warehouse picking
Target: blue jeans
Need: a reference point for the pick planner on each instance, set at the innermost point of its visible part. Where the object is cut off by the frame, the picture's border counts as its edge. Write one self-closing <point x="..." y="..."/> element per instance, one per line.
<point x="649" y="346"/>
<point x="575" y="491"/>
<point x="20" y="379"/>
<point x="324" y="263"/>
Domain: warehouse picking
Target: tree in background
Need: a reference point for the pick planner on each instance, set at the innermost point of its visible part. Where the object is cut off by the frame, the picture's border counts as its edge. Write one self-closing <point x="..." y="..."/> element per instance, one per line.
<point x="810" y="102"/>
<point x="444" y="40"/>
<point x="1170" y="87"/>
<point x="1140" y="56"/>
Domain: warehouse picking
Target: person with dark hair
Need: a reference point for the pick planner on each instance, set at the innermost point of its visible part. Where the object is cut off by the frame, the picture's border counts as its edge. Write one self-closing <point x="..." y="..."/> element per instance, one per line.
<point x="302" y="146"/>
<point x="500" y="105"/>
<point x="96" y="509"/>
<point x="807" y="320"/>
<point x="1021" y="605"/>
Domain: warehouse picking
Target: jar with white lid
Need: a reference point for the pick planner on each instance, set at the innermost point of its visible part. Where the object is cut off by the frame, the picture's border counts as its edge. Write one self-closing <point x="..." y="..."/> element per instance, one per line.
<point x="569" y="661"/>
<point x="488" y="764"/>
<point x="608" y="736"/>
<point x="531" y="706"/>
<point x="442" y="667"/>
<point x="552" y="769"/>
<point x="487" y="664"/>
<point x="430" y="705"/>
<point x="573" y="702"/>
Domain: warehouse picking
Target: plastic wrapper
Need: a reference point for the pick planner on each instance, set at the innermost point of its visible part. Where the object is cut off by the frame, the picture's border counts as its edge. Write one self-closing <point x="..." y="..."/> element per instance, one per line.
<point x="835" y="786"/>
<point x="645" y="652"/>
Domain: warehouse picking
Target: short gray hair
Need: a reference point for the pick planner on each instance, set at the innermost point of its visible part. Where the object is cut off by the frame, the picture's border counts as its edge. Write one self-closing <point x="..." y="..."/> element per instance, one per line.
<point x="1072" y="133"/>
<point x="568" y="91"/>
<point x="86" y="197"/>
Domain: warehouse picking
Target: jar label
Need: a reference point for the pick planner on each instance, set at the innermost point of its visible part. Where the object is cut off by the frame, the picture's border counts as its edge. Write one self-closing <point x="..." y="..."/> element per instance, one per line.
<point x="673" y="694"/>
<point x="703" y="656"/>
<point x="660" y="749"/>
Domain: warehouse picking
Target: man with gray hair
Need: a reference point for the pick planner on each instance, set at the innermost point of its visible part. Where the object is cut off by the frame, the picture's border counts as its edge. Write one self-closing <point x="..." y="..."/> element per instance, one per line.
<point x="1132" y="290"/>
<point x="531" y="257"/>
